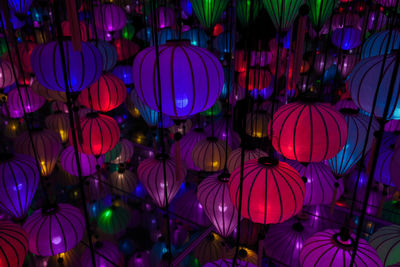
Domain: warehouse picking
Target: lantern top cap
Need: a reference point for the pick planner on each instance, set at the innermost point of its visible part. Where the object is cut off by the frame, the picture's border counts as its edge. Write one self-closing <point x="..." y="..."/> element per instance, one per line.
<point x="268" y="161"/>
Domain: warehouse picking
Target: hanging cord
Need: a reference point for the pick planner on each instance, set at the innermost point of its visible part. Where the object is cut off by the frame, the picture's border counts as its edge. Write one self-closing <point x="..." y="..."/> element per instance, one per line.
<point x="161" y="128"/>
<point x="56" y="7"/>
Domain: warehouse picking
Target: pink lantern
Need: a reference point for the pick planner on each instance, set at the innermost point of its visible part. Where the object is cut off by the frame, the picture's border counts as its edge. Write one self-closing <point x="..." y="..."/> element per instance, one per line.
<point x="109" y="17"/>
<point x="89" y="164"/>
<point x="7" y="77"/>
<point x="235" y="157"/>
<point x="106" y="255"/>
<point x="30" y="102"/>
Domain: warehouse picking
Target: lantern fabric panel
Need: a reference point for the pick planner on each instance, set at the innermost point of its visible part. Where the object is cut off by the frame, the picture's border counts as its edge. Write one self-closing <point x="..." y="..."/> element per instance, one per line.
<point x="109" y="17"/>
<point x="210" y="154"/>
<point x="220" y="132"/>
<point x="48" y="94"/>
<point x="320" y="11"/>
<point x="258" y="79"/>
<point x="59" y="122"/>
<point x="386" y="241"/>
<point x="208" y="12"/>
<point x="283" y="13"/>
<point x="125" y="49"/>
<point x="197" y="37"/>
<point x="109" y="54"/>
<point x="31" y="102"/>
<point x="228" y="263"/>
<point x="127" y="149"/>
<point x="114" y="219"/>
<point x="88" y="163"/>
<point x="86" y="31"/>
<point x="346" y="38"/>
<point x="125" y="74"/>
<point x="235" y="157"/>
<point x="376" y="44"/>
<point x="7" y="77"/>
<point x="123" y="182"/>
<point x="97" y="187"/>
<point x="106" y="255"/>
<point x="13" y="244"/>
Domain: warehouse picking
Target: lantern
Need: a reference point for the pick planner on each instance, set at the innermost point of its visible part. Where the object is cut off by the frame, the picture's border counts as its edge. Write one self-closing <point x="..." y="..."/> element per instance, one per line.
<point x="321" y="186"/>
<point x="386" y="241"/>
<point x="350" y="154"/>
<point x="258" y="78"/>
<point x="257" y="124"/>
<point x="123" y="181"/>
<point x="58" y="122"/>
<point x="23" y="57"/>
<point x="125" y="49"/>
<point x="30" y="102"/>
<point x="106" y="255"/>
<point x="346" y="64"/>
<point x="96" y="187"/>
<point x="54" y="230"/>
<point x="20" y="8"/>
<point x="88" y="163"/>
<point x="322" y="62"/>
<point x="376" y="20"/>
<point x="224" y="42"/>
<point x="151" y="175"/>
<point x="331" y="248"/>
<point x="13" y="244"/>
<point x="105" y="94"/>
<point x="140" y="259"/>
<point x="392" y="126"/>
<point x="346" y="104"/>
<point x="320" y="11"/>
<point x="342" y="20"/>
<point x="126" y="153"/>
<point x="210" y="249"/>
<point x="228" y="263"/>
<point x="109" y="17"/>
<point x="124" y="73"/>
<point x="128" y="31"/>
<point x="282" y="13"/>
<point x="114" y="220"/>
<point x="19" y="180"/>
<point x="7" y="77"/>
<point x="45" y="148"/>
<point x="213" y="194"/>
<point x="308" y="132"/>
<point x="71" y="258"/>
<point x="86" y="31"/>
<point x="267" y="181"/>
<point x="109" y="54"/>
<point x="249" y="153"/>
<point x="165" y="17"/>
<point x="48" y="94"/>
<point x="222" y="134"/>
<point x="376" y="44"/>
<point x="182" y="97"/>
<point x="243" y="11"/>
<point x="165" y="35"/>
<point x="100" y="134"/>
<point x="197" y="37"/>
<point x="210" y="154"/>
<point x="83" y="68"/>
<point x="346" y="38"/>
<point x="208" y="12"/>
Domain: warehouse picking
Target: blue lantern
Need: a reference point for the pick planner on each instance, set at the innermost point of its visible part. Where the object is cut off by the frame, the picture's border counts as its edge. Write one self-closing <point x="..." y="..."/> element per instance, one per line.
<point x="125" y="74"/>
<point x="376" y="44"/>
<point x="197" y="37"/>
<point x="346" y="38"/>
<point x="224" y="42"/>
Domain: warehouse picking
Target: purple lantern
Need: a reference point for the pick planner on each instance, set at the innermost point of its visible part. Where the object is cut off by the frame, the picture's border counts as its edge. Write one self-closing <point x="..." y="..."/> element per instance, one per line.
<point x="345" y="104"/>
<point x="88" y="163"/>
<point x="392" y="126"/>
<point x="140" y="259"/>
<point x="346" y="64"/>
<point x="213" y="195"/>
<point x="377" y="20"/>
<point x="97" y="187"/>
<point x="83" y="68"/>
<point x="221" y="133"/>
<point x="346" y="38"/>
<point x="322" y="60"/>
<point x="20" y="7"/>
<point x="30" y="102"/>
<point x="18" y="183"/>
<point x="191" y="78"/>
<point x="109" y="54"/>
<point x="335" y="248"/>
<point x="341" y="20"/>
<point x="106" y="255"/>
<point x="54" y="230"/>
<point x="7" y="77"/>
<point x="109" y="17"/>
<point x="165" y="17"/>
<point x="228" y="263"/>
<point x="234" y="157"/>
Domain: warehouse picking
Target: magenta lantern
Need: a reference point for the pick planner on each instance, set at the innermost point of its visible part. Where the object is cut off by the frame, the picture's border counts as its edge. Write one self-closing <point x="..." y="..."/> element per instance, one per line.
<point x="331" y="248"/>
<point x="54" y="230"/>
<point x="140" y="259"/>
<point x="273" y="191"/>
<point x="249" y="153"/>
<point x="7" y="77"/>
<point x="13" y="244"/>
<point x="165" y="17"/>
<point x="191" y="78"/>
<point x="106" y="255"/>
<point x="308" y="132"/>
<point x="151" y="175"/>
<point x="30" y="102"/>
<point x="88" y="163"/>
<point x="109" y="17"/>
<point x="19" y="180"/>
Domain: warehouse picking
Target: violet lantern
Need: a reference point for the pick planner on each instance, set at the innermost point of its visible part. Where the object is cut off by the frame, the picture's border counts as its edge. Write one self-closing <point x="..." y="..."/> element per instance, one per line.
<point x="7" y="77"/>
<point x="257" y="124"/>
<point x="267" y="181"/>
<point x="18" y="183"/>
<point x="386" y="241"/>
<point x="210" y="154"/>
<point x="376" y="20"/>
<point x="322" y="188"/>
<point x="31" y="102"/>
<point x="140" y="259"/>
<point x="54" y="229"/>
<point x="210" y="249"/>
<point x="346" y="38"/>
<point x="213" y="195"/>
<point x="109" y="17"/>
<point x="223" y="130"/>
<point x="346" y="19"/>
<point x="192" y="85"/>
<point x="47" y="144"/>
<point x="20" y="8"/>
<point x="308" y="131"/>
<point x="249" y="153"/>
<point x="346" y="63"/>
<point x="107" y="93"/>
<point x="322" y="62"/>
<point x="165" y="17"/>
<point x="13" y="244"/>
<point x="332" y="247"/>
<point x="151" y="175"/>
<point x="228" y="263"/>
<point x="100" y="134"/>
<point x="109" y="54"/>
<point x="83" y="68"/>
<point x="89" y="164"/>
<point x="106" y="255"/>
<point x="259" y="78"/>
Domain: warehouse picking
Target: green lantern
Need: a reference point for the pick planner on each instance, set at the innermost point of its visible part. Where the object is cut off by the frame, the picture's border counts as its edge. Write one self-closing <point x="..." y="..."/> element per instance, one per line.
<point x="320" y="11"/>
<point x="3" y="46"/>
<point x="208" y="11"/>
<point x="114" y="219"/>
<point x="283" y="12"/>
<point x="128" y="31"/>
<point x="243" y="10"/>
<point x="391" y="211"/>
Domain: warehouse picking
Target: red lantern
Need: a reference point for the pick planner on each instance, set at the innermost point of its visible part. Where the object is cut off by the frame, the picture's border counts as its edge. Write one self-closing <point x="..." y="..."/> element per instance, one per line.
<point x="86" y="32"/>
<point x="273" y="191"/>
<point x="100" y="134"/>
<point x="105" y="94"/>
<point x="125" y="48"/>
<point x="13" y="244"/>
<point x="258" y="78"/>
<point x="24" y="50"/>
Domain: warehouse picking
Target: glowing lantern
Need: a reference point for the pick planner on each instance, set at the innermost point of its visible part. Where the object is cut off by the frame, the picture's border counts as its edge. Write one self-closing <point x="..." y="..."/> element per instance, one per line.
<point x="109" y="54"/>
<point x="150" y="173"/>
<point x="386" y="241"/>
<point x="123" y="181"/>
<point x="126" y="152"/>
<point x="114" y="220"/>
<point x="100" y="134"/>
<point x="13" y="244"/>
<point x="47" y="146"/>
<point x="59" y="122"/>
<point x="48" y="94"/>
<point x="322" y="62"/>
<point x="197" y="37"/>
<point x="165" y="17"/>
<point x="106" y="255"/>
<point x="257" y="124"/>
<point x="224" y="42"/>
<point x="346" y="38"/>
<point x="376" y="44"/>
<point x="20" y="8"/>
<point x="83" y="68"/>
<point x="125" y="49"/>
<point x="208" y="11"/>
<point x="128" y="31"/>
<point x="243" y="11"/>
<point x="220" y="131"/>
<point x="25" y="50"/>
<point x="258" y="78"/>
<point x="124" y="73"/>
<point x="54" y="230"/>
<point x="376" y="20"/>
<point x="267" y="181"/>
<point x="71" y="258"/>
<point x="97" y="187"/>
<point x="30" y="102"/>
<point x="86" y="31"/>
<point x="210" y="154"/>
<point x="342" y="20"/>
<point x="7" y="77"/>
<point x="88" y="163"/>
<point x="234" y="157"/>
<point x="109" y="17"/>
<point x="282" y="12"/>
<point x="346" y="64"/>
<point x="183" y="97"/>
<point x="320" y="11"/>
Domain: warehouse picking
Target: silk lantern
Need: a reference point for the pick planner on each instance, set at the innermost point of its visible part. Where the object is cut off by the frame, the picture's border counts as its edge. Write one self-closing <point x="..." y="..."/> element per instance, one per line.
<point x="249" y="153"/>
<point x="109" y="17"/>
<point x="123" y="181"/>
<point x="7" y="76"/>
<point x="59" y="122"/>
<point x="109" y="54"/>
<point x="197" y="37"/>
<point x="125" y="49"/>
<point x="13" y="244"/>
<point x="31" y="102"/>
<point x="220" y="131"/>
<point x="86" y="31"/>
<point x="48" y="94"/>
<point x="208" y="11"/>
<point x="386" y="241"/>
<point x="346" y="38"/>
<point x="106" y="255"/>
<point x="114" y="219"/>
<point x="320" y="11"/>
<point x="258" y="78"/>
<point x="376" y="44"/>
<point x="19" y="7"/>
<point x="126" y="153"/>
<point x="210" y="154"/>
<point x="283" y="13"/>
<point x="89" y="164"/>
<point x="346" y="64"/>
<point x="124" y="73"/>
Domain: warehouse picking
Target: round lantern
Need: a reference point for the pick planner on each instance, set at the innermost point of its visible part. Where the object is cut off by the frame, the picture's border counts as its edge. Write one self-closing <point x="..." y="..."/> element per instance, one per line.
<point x="392" y="126"/>
<point x="197" y="37"/>
<point x="342" y="20"/>
<point x="308" y="132"/>
<point x="30" y="102"/>
<point x="114" y="220"/>
<point x="54" y="230"/>
<point x="320" y="11"/>
<point x="376" y="20"/>
<point x="126" y="152"/>
<point x="257" y="124"/>
<point x="97" y="187"/>
<point x="106" y="255"/>
<point x="48" y="94"/>
<point x="258" y="78"/>
<point x="235" y="157"/>
<point x="47" y="146"/>
<point x="89" y="164"/>
<point x="210" y="154"/>
<point x="267" y="181"/>
<point x="243" y="11"/>
<point x="151" y="175"/>
<point x="18" y="183"/>
<point x="322" y="62"/>
<point x="24" y="51"/>
<point x="109" y="54"/>
<point x="376" y="44"/>
<point x="224" y="42"/>
<point x="71" y="258"/>
<point x="208" y="11"/>
<point x="13" y="128"/>
<point x="166" y="35"/>
<point x="128" y="31"/>
<point x="282" y="13"/>
<point x="182" y="97"/>
<point x="220" y="132"/>
<point x="59" y="122"/>
<point x="20" y="8"/>
<point x="346" y="64"/>
<point x="210" y="249"/>
<point x="83" y="68"/>
<point x="109" y="17"/>
<point x="321" y="186"/>
<point x="123" y="181"/>
<point x="13" y="244"/>
<point x="350" y="154"/>
<point x="105" y="94"/>
<point x="346" y="38"/>
<point x="386" y="241"/>
<point x="165" y="17"/>
<point x="86" y="31"/>
<point x="125" y="49"/>
<point x="331" y="248"/>
<point x="7" y="77"/>
<point x="124" y="73"/>
<point x="100" y="134"/>
<point x="213" y="195"/>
